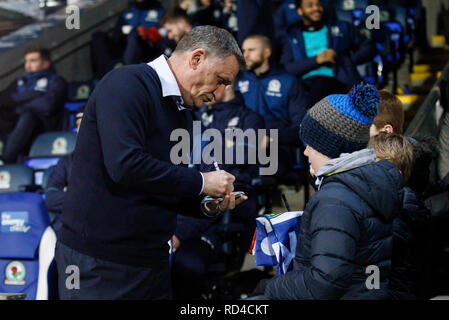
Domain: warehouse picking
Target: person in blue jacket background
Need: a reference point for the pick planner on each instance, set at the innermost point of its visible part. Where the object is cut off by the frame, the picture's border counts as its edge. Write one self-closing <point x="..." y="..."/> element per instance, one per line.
<point x="274" y="94"/>
<point x="324" y="53"/>
<point x="32" y="104"/>
<point x="135" y="38"/>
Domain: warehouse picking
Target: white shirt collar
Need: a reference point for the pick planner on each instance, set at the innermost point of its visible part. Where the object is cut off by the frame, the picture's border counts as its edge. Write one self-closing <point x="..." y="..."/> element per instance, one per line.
<point x="168" y="81"/>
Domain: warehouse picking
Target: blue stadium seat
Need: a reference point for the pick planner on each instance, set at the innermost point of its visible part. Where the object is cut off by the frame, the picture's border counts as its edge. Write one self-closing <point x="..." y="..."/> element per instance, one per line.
<point x="27" y="247"/>
<point x="15" y="178"/>
<point x="47" y="149"/>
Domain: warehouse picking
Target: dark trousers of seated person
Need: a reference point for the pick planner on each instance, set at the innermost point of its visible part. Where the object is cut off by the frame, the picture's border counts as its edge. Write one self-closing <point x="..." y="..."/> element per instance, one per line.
<point x="19" y="130"/>
<point x="106" y="280"/>
<point x="319" y="87"/>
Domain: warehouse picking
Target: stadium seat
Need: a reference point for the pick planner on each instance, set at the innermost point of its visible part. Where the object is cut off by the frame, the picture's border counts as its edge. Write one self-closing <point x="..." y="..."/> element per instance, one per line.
<point x="47" y="149"/>
<point x="15" y="178"/>
<point x="78" y="94"/>
<point x="27" y="247"/>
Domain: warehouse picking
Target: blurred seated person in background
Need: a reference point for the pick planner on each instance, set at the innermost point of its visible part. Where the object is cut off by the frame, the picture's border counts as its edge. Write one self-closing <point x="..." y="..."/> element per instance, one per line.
<point x="135" y="38"/>
<point x="176" y="23"/>
<point x="59" y="180"/>
<point x="202" y="12"/>
<point x="324" y="53"/>
<point x="274" y="94"/>
<point x="198" y="241"/>
<point x="391" y="115"/>
<point x="32" y="104"/>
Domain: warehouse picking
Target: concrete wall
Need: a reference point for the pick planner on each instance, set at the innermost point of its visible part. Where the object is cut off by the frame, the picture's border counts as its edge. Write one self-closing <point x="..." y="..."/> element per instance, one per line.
<point x="70" y="48"/>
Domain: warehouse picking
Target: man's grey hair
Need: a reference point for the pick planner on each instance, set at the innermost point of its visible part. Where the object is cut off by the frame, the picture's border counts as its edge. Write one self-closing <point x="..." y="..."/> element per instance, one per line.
<point x="217" y="42"/>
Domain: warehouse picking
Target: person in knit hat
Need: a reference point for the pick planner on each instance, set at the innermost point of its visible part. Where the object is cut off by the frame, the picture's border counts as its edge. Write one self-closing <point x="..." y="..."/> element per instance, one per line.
<point x="345" y="242"/>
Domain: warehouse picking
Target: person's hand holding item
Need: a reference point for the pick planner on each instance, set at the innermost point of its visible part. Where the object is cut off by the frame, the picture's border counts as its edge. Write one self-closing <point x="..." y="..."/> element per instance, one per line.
<point x="229" y="202"/>
<point x="218" y="183"/>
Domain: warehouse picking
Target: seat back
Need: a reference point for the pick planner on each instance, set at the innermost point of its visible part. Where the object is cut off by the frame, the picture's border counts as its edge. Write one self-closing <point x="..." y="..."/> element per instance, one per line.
<point x="15" y="177"/>
<point x="27" y="246"/>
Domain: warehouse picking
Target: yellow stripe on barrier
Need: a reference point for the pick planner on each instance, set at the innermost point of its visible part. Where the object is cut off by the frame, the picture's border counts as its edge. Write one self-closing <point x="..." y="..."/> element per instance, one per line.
<point x="438" y="41"/>
<point x="420" y="76"/>
<point x="410" y="99"/>
<point x="421" y="68"/>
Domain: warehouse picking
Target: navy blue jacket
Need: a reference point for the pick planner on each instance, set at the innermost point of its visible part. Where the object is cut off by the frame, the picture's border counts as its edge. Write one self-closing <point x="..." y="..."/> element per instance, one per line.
<point x="279" y="98"/>
<point x="43" y="93"/>
<point x="351" y="46"/>
<point x="346" y="226"/>
<point x="124" y="191"/>
<point x="230" y="115"/>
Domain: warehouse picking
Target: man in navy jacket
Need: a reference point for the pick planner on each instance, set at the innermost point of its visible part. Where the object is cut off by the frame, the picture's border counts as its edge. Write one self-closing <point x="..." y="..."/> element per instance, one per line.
<point x="125" y="189"/>
<point x="323" y="53"/>
<point x="32" y="104"/>
<point x="276" y="95"/>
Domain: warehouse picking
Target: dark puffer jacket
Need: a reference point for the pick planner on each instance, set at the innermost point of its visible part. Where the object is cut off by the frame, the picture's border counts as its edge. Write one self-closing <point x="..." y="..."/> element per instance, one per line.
<point x="346" y="227"/>
<point x="411" y="249"/>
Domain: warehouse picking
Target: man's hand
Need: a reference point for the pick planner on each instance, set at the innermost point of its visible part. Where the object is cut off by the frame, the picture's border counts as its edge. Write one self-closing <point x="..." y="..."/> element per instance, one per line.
<point x="229" y="202"/>
<point x="327" y="55"/>
<point x="218" y="183"/>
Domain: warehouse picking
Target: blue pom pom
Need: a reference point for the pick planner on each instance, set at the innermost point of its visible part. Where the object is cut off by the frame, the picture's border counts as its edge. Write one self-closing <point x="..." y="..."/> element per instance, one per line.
<point x="365" y="99"/>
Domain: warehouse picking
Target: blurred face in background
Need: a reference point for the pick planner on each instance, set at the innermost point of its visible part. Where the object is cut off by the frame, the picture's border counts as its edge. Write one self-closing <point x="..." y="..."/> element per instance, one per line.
<point x="255" y="53"/>
<point x="34" y="62"/>
<point x="311" y="11"/>
<point x="206" y="3"/>
<point x="176" y="30"/>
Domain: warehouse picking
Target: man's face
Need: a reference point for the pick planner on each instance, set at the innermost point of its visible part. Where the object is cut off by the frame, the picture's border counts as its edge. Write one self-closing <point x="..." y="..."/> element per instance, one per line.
<point x="175" y="30"/>
<point x="311" y="10"/>
<point x="255" y="53"/>
<point x="34" y="62"/>
<point x="210" y="77"/>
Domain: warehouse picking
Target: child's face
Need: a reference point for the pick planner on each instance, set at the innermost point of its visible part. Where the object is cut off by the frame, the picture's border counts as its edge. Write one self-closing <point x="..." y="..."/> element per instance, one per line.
<point x="316" y="158"/>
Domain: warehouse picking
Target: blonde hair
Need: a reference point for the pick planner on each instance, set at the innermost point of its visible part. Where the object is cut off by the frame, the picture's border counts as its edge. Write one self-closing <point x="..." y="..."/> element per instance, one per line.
<point x="394" y="148"/>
